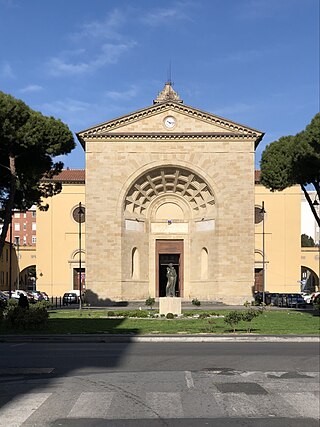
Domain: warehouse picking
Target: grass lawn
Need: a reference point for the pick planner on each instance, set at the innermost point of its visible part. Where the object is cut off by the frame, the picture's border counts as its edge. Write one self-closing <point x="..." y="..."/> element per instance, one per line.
<point x="97" y="321"/>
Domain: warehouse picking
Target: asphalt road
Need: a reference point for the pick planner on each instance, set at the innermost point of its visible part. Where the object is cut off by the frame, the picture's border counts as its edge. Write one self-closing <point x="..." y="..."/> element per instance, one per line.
<point x="159" y="384"/>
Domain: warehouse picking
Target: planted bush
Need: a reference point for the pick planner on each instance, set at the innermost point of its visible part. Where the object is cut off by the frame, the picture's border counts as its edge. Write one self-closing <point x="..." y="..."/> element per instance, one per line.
<point x="21" y="318"/>
<point x="249" y="315"/>
<point x="150" y="302"/>
<point x="196" y="302"/>
<point x="111" y="313"/>
<point x="170" y="316"/>
<point x="233" y="318"/>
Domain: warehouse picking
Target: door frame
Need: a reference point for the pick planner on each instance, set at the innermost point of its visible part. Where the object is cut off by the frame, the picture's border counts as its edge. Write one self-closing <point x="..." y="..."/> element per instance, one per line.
<point x="170" y="246"/>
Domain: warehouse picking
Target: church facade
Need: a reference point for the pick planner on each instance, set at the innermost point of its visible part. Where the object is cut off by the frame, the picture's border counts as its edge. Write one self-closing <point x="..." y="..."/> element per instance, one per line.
<point x="170" y="184"/>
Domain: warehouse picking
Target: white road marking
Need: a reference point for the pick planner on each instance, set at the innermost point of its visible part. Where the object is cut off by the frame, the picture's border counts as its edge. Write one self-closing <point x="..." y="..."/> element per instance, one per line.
<point x="189" y="379"/>
<point x="165" y="405"/>
<point x="91" y="405"/>
<point x="18" y="410"/>
<point x="307" y="404"/>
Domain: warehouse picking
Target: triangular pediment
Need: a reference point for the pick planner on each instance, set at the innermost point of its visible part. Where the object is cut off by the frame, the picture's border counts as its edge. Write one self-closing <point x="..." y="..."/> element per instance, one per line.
<point x="152" y="121"/>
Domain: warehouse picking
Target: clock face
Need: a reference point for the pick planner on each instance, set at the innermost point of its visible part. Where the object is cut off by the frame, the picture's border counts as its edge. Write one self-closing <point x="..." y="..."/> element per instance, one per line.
<point x="170" y="122"/>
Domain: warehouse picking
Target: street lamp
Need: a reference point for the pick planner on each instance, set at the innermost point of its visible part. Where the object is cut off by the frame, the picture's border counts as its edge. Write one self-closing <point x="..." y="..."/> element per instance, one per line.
<point x="316" y="203"/>
<point x="10" y="257"/>
<point x="263" y="212"/>
<point x="79" y="217"/>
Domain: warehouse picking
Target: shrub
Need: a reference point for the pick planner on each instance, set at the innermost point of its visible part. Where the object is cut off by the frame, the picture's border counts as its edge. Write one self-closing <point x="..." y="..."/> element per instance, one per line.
<point x="249" y="315"/>
<point x="138" y="313"/>
<point x="204" y="315"/>
<point x="170" y="316"/>
<point x="111" y="313"/>
<point x="233" y="318"/>
<point x="12" y="302"/>
<point x="44" y="304"/>
<point x="22" y="318"/>
<point x="150" y="302"/>
<point x="196" y="302"/>
<point x="316" y="306"/>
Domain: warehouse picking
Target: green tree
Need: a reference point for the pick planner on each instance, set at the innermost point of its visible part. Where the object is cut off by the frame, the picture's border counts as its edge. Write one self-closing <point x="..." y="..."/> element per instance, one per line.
<point x="306" y="241"/>
<point x="294" y="160"/>
<point x="28" y="143"/>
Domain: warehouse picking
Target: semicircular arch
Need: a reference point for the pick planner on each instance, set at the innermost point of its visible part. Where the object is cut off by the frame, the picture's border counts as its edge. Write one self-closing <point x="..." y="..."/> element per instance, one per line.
<point x="168" y="180"/>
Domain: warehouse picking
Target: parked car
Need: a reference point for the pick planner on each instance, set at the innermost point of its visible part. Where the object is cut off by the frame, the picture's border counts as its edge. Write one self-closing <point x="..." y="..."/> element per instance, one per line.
<point x="295" y="300"/>
<point x="37" y="295"/>
<point x="315" y="297"/>
<point x="16" y="294"/>
<point x="307" y="297"/>
<point x="45" y="296"/>
<point x="3" y="299"/>
<point x="70" y="298"/>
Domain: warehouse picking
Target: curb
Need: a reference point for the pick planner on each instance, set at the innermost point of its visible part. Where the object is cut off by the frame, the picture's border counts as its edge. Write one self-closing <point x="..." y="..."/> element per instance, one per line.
<point x="117" y="338"/>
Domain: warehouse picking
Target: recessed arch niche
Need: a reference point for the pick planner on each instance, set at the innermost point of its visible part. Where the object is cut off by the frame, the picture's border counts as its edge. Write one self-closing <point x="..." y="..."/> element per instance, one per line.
<point x="169" y="181"/>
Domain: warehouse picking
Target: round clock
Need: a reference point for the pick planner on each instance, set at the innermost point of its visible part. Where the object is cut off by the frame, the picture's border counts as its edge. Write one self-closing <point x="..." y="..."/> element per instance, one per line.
<point x="169" y="122"/>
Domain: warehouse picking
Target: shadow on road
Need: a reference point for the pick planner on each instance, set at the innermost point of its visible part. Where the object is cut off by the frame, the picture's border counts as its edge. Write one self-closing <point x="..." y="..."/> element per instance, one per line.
<point x="24" y="366"/>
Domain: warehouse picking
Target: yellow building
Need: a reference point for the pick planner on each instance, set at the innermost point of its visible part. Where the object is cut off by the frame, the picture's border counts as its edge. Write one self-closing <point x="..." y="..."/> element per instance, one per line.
<point x="61" y="237"/>
<point x="9" y="268"/>
<point x="280" y="238"/>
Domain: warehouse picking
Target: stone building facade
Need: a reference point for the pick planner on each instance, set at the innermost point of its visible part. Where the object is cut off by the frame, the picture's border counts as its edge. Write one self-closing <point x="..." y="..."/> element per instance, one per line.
<point x="170" y="184"/>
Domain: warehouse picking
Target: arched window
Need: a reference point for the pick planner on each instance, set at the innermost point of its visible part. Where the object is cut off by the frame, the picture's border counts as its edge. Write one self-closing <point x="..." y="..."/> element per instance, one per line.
<point x="204" y="263"/>
<point x="135" y="264"/>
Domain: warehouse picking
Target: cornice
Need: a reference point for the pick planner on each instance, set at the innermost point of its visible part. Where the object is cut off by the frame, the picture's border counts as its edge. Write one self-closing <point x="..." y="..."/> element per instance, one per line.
<point x="171" y="136"/>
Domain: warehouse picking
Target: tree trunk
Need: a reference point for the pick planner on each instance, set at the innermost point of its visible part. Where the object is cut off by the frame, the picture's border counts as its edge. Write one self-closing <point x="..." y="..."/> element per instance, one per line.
<point x="9" y="203"/>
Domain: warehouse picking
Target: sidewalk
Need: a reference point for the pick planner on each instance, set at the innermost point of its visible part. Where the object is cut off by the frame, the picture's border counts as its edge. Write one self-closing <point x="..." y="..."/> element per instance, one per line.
<point x="124" y="338"/>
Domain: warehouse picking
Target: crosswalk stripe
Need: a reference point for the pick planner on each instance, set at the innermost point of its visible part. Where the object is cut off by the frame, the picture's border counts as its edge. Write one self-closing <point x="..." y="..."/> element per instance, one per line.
<point x="92" y="405"/>
<point x="18" y="410"/>
<point x="165" y="405"/>
<point x="243" y="405"/>
<point x="306" y="403"/>
<point x="235" y="404"/>
<point x="189" y="379"/>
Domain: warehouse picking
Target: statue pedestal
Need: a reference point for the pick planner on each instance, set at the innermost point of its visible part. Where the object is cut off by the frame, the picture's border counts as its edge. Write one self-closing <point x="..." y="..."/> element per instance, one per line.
<point x="170" y="305"/>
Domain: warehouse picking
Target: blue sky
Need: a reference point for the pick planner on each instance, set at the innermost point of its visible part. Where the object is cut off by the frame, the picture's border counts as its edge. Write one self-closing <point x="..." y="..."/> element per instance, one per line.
<point x="255" y="62"/>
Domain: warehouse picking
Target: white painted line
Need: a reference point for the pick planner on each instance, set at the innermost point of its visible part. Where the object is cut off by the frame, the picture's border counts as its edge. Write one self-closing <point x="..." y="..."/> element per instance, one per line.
<point x="307" y="404"/>
<point x="18" y="410"/>
<point x="165" y="405"/>
<point x="92" y="405"/>
<point x="189" y="379"/>
<point x="212" y="338"/>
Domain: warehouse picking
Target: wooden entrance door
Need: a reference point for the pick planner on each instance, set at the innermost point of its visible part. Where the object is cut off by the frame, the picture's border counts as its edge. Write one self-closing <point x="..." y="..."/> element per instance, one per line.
<point x="169" y="251"/>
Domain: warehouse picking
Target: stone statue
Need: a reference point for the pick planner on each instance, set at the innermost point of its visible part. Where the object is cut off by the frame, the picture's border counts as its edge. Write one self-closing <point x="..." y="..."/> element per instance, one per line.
<point x="171" y="283"/>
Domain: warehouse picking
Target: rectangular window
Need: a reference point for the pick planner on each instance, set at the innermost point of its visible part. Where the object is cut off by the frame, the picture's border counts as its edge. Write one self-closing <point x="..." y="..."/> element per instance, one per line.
<point x="17" y="240"/>
<point x="17" y="215"/>
<point x="34" y="239"/>
<point x="34" y="214"/>
<point x="34" y="226"/>
<point x="24" y="226"/>
<point x="16" y="226"/>
<point x="25" y="215"/>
